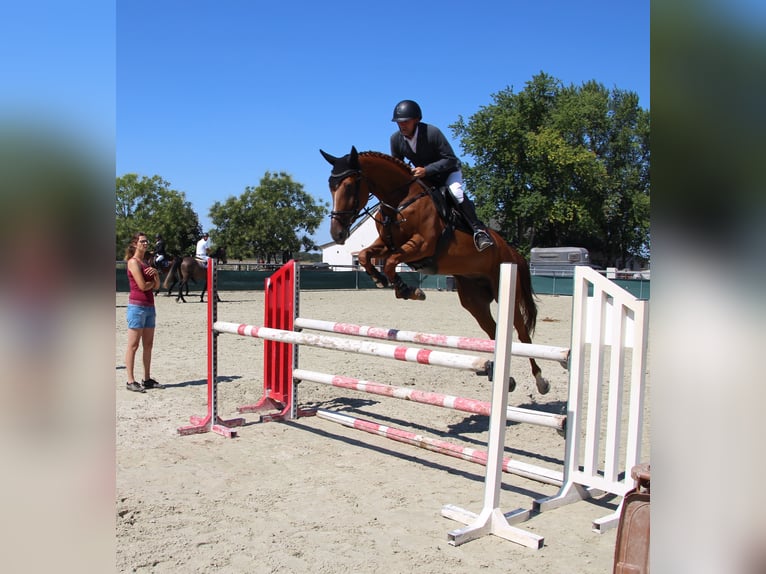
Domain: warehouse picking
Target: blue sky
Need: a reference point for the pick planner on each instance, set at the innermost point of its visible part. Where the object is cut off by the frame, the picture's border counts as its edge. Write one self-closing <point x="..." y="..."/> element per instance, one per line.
<point x="212" y="95"/>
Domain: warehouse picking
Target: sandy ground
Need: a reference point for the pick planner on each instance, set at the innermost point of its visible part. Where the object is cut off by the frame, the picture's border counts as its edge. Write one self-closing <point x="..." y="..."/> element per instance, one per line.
<point x="312" y="495"/>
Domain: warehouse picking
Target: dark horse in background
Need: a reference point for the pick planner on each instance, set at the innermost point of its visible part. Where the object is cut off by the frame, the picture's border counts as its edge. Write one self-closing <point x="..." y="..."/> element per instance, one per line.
<point x="162" y="268"/>
<point x="416" y="226"/>
<point x="185" y="269"/>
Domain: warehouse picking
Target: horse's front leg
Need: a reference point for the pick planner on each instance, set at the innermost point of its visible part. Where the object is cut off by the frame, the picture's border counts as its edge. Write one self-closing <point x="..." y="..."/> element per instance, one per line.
<point x="377" y="250"/>
<point x="410" y="251"/>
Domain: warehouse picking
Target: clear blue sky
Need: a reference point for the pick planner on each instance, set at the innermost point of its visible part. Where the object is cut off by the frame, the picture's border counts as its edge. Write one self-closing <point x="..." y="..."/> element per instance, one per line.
<point x="212" y="95"/>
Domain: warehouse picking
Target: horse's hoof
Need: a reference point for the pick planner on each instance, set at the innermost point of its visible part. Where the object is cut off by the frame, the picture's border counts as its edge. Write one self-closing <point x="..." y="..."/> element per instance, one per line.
<point x="511" y="384"/>
<point x="418" y="295"/>
<point x="543" y="386"/>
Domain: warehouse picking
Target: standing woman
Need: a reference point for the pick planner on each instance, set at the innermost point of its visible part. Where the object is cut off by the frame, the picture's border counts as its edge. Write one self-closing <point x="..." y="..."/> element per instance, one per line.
<point x="143" y="279"/>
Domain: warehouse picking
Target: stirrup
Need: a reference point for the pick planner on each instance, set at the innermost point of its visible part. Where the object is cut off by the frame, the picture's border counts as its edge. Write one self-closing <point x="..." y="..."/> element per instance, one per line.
<point x="482" y="240"/>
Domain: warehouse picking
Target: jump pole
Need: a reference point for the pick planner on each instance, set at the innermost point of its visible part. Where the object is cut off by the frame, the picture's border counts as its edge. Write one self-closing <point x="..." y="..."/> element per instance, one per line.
<point x="559" y="354"/>
<point x="397" y="352"/>
<point x="509" y="465"/>
<point x="463" y="404"/>
<point x="211" y="421"/>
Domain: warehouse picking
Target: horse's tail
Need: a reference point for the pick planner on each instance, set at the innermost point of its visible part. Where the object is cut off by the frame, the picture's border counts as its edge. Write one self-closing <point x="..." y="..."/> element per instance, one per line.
<point x="172" y="272"/>
<point x="525" y="296"/>
<point x="527" y="303"/>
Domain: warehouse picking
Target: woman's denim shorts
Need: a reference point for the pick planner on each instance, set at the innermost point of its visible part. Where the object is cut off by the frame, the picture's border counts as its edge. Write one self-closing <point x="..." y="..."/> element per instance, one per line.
<point x="140" y="317"/>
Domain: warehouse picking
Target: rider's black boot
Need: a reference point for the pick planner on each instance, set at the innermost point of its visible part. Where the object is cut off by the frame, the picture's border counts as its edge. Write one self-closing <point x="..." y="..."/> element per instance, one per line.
<point x="481" y="238"/>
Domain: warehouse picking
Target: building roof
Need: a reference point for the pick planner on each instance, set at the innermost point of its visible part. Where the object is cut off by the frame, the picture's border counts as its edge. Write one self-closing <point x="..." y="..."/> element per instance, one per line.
<point x="356" y="226"/>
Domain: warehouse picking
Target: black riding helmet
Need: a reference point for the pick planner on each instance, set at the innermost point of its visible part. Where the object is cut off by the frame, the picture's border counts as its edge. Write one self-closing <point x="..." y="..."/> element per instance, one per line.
<point x="407" y="110"/>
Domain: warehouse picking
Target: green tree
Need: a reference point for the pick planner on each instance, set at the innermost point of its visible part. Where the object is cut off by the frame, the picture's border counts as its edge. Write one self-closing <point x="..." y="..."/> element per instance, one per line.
<point x="558" y="165"/>
<point x="275" y="217"/>
<point x="149" y="205"/>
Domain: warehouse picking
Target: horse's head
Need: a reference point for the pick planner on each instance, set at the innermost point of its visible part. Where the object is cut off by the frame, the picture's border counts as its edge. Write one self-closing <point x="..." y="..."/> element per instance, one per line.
<point x="220" y="255"/>
<point x="348" y="201"/>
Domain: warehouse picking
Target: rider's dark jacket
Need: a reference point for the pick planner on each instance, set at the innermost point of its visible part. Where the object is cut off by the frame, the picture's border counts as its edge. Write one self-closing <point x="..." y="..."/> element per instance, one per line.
<point x="433" y="152"/>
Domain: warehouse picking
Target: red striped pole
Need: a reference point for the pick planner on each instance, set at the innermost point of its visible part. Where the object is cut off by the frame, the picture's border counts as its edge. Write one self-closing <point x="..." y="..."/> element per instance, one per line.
<point x="559" y="354"/>
<point x="443" y="447"/>
<point x="407" y="354"/>
<point x="467" y="405"/>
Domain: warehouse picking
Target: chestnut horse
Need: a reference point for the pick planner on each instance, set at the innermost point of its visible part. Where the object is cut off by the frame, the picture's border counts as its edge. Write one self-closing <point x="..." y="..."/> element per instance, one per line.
<point x="188" y="268"/>
<point x="411" y="230"/>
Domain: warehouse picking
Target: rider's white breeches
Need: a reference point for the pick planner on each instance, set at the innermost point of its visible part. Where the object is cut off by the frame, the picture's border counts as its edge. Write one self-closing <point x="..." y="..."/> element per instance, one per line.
<point x="455" y="185"/>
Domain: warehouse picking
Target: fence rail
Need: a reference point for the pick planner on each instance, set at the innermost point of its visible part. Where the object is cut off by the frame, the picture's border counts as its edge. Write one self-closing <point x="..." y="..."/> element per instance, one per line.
<point x="231" y="279"/>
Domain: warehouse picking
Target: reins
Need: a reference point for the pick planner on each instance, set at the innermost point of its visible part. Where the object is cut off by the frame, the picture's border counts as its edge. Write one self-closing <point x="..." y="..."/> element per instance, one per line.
<point x="355" y="212"/>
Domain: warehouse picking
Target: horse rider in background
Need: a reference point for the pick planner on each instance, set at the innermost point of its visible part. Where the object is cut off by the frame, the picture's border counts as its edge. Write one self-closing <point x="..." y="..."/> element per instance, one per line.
<point x="203" y="247"/>
<point x="160" y="257"/>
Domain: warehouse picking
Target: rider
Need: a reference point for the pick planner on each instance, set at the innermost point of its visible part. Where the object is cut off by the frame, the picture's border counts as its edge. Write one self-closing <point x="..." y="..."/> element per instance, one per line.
<point x="203" y="246"/>
<point x="431" y="154"/>
<point x="159" y="251"/>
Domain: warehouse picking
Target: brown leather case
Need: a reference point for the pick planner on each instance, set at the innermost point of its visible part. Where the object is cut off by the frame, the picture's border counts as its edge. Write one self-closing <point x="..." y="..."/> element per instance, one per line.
<point x="631" y="553"/>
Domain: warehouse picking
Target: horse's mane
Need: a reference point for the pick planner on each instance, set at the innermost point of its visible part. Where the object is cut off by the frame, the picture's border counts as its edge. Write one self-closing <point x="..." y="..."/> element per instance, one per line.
<point x="394" y="160"/>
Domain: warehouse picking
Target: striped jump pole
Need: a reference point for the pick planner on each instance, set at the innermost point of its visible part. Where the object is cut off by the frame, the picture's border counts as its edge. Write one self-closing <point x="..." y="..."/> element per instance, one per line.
<point x="559" y="354"/>
<point x="443" y="447"/>
<point x="399" y="353"/>
<point x="463" y="404"/>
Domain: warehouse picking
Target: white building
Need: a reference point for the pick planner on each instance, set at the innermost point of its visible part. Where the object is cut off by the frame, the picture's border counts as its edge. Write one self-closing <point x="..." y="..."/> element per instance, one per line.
<point x="362" y="235"/>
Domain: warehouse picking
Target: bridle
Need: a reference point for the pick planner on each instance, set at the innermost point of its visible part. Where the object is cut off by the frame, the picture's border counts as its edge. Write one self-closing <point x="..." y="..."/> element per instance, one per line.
<point x="355" y="213"/>
<point x="335" y="181"/>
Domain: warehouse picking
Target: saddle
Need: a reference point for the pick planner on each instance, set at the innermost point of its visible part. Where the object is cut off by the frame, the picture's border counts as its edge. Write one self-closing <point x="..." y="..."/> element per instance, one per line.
<point x="447" y="210"/>
<point x="163" y="264"/>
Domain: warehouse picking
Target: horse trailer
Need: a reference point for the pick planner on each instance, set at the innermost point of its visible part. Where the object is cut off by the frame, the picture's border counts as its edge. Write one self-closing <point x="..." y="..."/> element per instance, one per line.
<point x="557" y="261"/>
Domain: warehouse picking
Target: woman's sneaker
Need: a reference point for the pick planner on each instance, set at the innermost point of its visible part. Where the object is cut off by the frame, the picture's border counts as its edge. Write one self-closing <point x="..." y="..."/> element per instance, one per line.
<point x="135" y="387"/>
<point x="152" y="384"/>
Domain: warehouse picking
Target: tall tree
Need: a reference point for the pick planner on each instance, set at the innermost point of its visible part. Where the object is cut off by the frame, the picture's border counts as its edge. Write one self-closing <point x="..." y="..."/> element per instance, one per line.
<point x="275" y="217"/>
<point x="558" y="165"/>
<point x="149" y="205"/>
